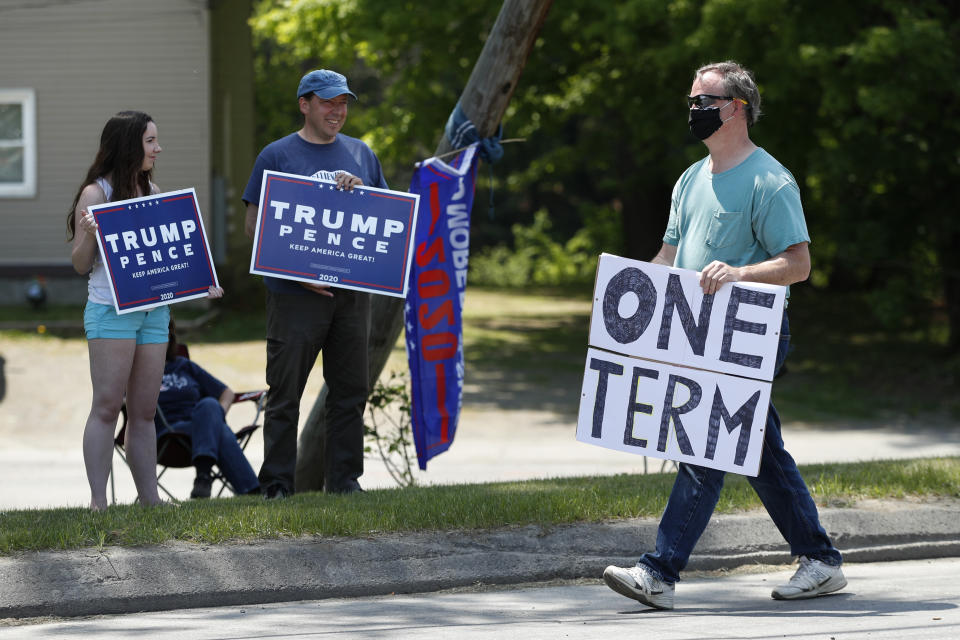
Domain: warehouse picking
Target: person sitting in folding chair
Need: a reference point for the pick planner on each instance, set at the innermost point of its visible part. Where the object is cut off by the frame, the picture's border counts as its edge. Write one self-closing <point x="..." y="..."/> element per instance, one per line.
<point x="195" y="403"/>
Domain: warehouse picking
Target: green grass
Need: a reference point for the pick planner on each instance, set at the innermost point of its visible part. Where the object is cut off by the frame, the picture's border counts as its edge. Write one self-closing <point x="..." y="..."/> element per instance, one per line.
<point x="475" y="506"/>
<point x="843" y="366"/>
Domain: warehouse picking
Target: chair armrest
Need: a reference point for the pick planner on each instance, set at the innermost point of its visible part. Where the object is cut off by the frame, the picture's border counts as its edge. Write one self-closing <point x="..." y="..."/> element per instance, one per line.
<point x="243" y="396"/>
<point x="250" y="428"/>
<point x="259" y="399"/>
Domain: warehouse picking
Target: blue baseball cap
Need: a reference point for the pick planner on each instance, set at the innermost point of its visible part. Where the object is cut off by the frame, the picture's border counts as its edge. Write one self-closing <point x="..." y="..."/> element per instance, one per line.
<point x="325" y="83"/>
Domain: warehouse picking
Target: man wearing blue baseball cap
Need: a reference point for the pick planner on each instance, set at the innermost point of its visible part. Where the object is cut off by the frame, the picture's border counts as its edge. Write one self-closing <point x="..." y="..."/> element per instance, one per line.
<point x="305" y="319"/>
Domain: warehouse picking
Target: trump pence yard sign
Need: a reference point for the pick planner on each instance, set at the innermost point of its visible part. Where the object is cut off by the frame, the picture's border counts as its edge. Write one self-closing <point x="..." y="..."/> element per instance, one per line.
<point x="154" y="250"/>
<point x="310" y="231"/>
<point x="675" y="374"/>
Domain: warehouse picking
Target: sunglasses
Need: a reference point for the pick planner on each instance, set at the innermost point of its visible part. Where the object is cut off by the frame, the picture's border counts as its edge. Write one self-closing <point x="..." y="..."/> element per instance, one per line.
<point x="704" y="100"/>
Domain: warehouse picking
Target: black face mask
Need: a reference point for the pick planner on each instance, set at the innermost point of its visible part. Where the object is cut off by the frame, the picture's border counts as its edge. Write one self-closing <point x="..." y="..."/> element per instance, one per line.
<point x="704" y="122"/>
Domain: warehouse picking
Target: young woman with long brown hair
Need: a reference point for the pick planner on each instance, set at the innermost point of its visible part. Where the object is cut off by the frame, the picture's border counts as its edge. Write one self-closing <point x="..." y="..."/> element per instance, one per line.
<point x="127" y="352"/>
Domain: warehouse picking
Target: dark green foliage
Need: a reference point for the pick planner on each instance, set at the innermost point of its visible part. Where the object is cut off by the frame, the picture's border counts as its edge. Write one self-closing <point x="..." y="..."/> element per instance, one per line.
<point x="861" y="104"/>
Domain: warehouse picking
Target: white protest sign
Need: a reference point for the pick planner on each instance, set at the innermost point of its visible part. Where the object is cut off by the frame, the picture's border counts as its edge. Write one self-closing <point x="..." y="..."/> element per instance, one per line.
<point x="661" y="313"/>
<point x="674" y="413"/>
<point x="662" y="387"/>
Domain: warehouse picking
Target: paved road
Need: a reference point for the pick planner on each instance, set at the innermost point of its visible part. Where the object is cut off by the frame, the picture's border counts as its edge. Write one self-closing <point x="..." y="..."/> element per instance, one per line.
<point x="902" y="600"/>
<point x="490" y="446"/>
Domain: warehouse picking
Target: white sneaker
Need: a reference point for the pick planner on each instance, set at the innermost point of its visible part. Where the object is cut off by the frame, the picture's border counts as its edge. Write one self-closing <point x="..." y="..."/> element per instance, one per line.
<point x="641" y="585"/>
<point x="813" y="578"/>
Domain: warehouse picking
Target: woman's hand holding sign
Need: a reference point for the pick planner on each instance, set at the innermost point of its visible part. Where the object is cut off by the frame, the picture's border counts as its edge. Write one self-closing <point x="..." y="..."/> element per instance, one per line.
<point x="88" y="223"/>
<point x="84" y="250"/>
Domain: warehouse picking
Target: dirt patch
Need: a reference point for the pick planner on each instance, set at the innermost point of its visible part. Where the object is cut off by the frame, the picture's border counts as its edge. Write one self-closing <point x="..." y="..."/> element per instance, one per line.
<point x="48" y="386"/>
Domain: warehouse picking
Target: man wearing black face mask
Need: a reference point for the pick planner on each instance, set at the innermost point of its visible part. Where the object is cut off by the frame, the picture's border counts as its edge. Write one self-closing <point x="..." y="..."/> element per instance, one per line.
<point x="735" y="216"/>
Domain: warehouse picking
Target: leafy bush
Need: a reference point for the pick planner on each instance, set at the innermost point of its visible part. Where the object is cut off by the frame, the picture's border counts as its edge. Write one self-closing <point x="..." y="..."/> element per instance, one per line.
<point x="538" y="259"/>
<point x="388" y="428"/>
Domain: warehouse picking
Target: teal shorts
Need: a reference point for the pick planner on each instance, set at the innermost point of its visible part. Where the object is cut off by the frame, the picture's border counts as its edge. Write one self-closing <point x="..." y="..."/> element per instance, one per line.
<point x="146" y="327"/>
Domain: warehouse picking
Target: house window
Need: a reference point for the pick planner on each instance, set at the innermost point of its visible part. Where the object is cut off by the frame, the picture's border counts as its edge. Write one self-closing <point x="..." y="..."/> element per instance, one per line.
<point x="18" y="143"/>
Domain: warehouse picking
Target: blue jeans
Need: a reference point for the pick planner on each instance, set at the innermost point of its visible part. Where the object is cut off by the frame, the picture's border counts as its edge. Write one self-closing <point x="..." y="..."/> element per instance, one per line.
<point x="211" y="437"/>
<point x="779" y="485"/>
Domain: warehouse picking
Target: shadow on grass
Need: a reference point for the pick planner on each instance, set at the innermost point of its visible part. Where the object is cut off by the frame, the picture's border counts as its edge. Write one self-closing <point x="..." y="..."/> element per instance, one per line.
<point x="842" y="366"/>
<point x="526" y="363"/>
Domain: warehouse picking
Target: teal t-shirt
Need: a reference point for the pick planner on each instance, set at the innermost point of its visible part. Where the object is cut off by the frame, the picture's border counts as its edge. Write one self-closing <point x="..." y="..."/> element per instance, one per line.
<point x="744" y="215"/>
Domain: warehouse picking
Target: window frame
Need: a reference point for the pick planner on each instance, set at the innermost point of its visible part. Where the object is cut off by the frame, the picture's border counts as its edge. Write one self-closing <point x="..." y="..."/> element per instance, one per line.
<point x="26" y="188"/>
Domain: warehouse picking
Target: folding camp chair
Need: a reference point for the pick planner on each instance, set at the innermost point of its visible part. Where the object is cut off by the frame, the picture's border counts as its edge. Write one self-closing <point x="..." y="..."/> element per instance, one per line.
<point x="174" y="449"/>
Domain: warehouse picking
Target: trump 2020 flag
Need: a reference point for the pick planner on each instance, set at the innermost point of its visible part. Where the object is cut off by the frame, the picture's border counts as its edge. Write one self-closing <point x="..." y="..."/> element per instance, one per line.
<point x="434" y="307"/>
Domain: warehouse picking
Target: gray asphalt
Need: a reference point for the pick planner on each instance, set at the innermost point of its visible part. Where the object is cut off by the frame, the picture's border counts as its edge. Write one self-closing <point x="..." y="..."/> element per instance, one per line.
<point x="180" y="575"/>
<point x="905" y="600"/>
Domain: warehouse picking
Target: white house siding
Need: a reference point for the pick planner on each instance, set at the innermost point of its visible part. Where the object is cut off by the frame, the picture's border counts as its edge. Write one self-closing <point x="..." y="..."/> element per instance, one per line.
<point x="88" y="59"/>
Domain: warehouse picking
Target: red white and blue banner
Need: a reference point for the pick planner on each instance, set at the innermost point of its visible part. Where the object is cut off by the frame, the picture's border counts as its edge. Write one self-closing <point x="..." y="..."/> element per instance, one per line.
<point x="154" y="250"/>
<point x="310" y="231"/>
<point x="434" y="308"/>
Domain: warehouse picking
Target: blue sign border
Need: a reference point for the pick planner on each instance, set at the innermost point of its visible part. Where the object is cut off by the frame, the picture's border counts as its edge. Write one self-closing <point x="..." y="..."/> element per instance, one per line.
<point x="381" y="266"/>
<point x="131" y="292"/>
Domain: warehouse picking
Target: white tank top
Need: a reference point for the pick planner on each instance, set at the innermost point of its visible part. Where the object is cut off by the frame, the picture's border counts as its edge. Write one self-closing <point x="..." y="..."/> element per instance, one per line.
<point x="98" y="286"/>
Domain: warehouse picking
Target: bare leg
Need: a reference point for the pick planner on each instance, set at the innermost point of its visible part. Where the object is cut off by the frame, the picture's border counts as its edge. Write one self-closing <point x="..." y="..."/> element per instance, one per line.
<point x="110" y="365"/>
<point x="141" y="438"/>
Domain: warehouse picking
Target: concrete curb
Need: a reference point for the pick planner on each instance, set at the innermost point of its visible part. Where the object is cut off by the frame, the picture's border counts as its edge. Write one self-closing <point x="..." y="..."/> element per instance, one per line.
<point x="180" y="575"/>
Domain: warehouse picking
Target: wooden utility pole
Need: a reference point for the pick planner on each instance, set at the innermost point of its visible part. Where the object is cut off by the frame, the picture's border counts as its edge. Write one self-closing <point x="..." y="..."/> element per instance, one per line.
<point x="484" y="101"/>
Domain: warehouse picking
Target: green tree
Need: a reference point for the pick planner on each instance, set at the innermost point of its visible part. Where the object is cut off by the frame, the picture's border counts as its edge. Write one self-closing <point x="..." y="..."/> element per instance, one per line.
<point x="861" y="104"/>
<point x="407" y="61"/>
<point x="886" y="178"/>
